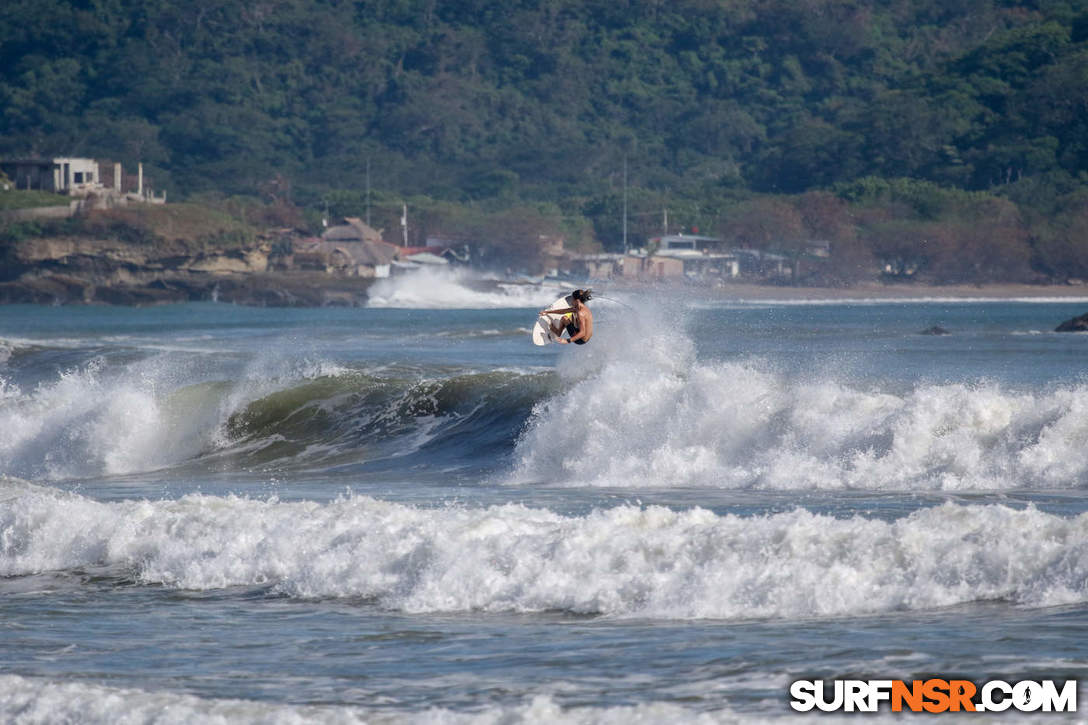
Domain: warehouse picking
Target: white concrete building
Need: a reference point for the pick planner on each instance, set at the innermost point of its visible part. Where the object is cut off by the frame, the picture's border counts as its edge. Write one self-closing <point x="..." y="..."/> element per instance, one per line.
<point x="71" y="175"/>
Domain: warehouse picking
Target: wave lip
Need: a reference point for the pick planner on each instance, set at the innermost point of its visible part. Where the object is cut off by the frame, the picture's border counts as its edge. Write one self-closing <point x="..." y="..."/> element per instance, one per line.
<point x="462" y="418"/>
<point x="622" y="562"/>
<point x="149" y="415"/>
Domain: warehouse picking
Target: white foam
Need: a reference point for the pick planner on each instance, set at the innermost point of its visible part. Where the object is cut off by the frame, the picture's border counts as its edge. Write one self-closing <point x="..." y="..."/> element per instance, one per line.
<point x="55" y="342"/>
<point x="30" y="701"/>
<point x="54" y="429"/>
<point x="450" y="289"/>
<point x="623" y="562"/>
<point x="153" y="413"/>
<point x="640" y="411"/>
<point x="33" y="701"/>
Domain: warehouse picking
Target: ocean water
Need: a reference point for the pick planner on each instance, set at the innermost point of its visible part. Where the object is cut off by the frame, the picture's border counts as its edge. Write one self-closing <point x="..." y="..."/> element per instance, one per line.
<point x="408" y="513"/>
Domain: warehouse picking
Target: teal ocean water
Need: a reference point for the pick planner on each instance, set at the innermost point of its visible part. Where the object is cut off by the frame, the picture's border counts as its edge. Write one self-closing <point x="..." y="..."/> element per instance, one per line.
<point x="408" y="513"/>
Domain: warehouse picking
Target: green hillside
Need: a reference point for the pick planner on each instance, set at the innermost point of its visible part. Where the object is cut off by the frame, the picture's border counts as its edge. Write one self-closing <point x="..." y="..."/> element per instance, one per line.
<point x="879" y="124"/>
<point x="16" y="199"/>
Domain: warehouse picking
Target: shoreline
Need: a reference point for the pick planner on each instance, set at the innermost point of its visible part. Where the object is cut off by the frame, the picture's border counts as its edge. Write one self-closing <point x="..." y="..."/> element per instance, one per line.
<point x="743" y="292"/>
<point x="314" y="289"/>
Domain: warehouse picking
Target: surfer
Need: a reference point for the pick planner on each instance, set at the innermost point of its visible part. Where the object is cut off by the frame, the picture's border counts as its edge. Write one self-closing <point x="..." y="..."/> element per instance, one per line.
<point x="577" y="321"/>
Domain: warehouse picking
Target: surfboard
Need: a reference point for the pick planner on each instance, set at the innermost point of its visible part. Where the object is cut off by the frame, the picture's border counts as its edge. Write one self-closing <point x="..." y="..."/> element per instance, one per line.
<point x="542" y="333"/>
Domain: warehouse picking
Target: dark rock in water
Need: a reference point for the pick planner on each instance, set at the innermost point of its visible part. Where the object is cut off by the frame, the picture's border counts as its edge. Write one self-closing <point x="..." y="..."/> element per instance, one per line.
<point x="935" y="330"/>
<point x="1077" y="324"/>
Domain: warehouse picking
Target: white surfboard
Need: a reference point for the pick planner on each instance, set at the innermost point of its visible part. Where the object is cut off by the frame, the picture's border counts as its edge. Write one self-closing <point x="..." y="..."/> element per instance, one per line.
<point x="542" y="333"/>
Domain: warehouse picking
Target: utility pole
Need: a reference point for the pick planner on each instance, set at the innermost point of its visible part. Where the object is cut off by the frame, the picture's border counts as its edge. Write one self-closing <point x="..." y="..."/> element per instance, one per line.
<point x="625" y="204"/>
<point x="404" y="222"/>
<point x="368" y="191"/>
<point x="666" y="221"/>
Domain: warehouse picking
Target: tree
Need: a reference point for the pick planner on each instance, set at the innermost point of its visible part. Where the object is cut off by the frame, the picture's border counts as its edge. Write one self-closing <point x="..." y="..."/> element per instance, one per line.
<point x="987" y="243"/>
<point x="1060" y="247"/>
<point x="515" y="104"/>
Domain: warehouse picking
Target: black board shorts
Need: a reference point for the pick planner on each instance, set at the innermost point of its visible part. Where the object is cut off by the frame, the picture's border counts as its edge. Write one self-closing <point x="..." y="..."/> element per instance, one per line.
<point x="572" y="331"/>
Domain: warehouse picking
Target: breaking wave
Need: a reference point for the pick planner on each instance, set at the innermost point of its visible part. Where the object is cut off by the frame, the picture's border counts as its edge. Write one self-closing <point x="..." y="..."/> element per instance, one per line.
<point x="359" y="417"/>
<point x="94" y="421"/>
<point x="636" y="408"/>
<point x="641" y="411"/>
<point x="625" y="561"/>
<point x="457" y="289"/>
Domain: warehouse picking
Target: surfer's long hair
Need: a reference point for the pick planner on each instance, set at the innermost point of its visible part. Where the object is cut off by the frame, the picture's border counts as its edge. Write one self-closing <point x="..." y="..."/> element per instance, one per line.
<point x="585" y="295"/>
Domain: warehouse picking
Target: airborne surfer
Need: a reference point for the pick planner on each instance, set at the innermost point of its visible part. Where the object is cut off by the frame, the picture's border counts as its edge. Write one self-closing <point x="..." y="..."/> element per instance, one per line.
<point x="577" y="321"/>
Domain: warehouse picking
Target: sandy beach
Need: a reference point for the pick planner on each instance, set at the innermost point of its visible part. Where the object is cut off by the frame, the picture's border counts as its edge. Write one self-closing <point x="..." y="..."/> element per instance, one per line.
<point x="877" y="291"/>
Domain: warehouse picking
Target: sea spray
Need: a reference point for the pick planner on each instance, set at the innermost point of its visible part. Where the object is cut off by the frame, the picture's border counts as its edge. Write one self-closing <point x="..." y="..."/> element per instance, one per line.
<point x="640" y="409"/>
<point x="86" y="420"/>
<point x="97" y="419"/>
<point x="94" y="420"/>
<point x="624" y="561"/>
<point x="647" y="414"/>
<point x="446" y="288"/>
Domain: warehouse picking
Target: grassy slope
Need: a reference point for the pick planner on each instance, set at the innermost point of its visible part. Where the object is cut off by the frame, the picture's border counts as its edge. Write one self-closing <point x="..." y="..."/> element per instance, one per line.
<point x="17" y="199"/>
<point x="187" y="223"/>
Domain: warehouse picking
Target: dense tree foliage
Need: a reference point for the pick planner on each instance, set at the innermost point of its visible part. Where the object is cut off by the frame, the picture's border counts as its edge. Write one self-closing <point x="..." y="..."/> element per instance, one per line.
<point x="736" y="115"/>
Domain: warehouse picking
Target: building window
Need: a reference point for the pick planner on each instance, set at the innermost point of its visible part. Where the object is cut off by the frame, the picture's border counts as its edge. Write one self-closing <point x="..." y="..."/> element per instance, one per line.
<point x="77" y="177"/>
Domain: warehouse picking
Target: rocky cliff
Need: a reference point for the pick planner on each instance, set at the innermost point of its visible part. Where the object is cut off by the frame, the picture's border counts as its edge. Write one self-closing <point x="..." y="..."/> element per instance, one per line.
<point x="73" y="270"/>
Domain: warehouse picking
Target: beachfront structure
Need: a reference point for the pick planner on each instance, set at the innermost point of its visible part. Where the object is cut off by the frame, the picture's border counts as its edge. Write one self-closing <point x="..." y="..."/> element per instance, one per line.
<point x="64" y="175"/>
<point x="687" y="242"/>
<point x="351" y="249"/>
<point x="702" y="257"/>
<point x="87" y="179"/>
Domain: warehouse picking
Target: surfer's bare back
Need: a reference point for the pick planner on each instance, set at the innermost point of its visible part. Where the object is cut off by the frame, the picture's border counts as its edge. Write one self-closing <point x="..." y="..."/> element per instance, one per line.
<point x="577" y="321"/>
